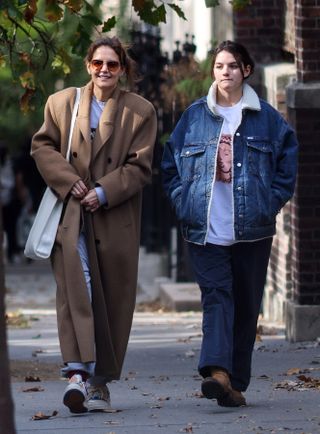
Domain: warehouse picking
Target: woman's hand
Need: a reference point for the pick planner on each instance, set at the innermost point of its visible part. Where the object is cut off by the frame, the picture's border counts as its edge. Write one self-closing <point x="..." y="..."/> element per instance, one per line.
<point x="91" y="201"/>
<point x="79" y="189"/>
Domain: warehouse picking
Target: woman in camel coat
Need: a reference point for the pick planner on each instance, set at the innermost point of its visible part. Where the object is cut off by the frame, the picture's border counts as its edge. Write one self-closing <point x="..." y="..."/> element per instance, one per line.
<point x="101" y="187"/>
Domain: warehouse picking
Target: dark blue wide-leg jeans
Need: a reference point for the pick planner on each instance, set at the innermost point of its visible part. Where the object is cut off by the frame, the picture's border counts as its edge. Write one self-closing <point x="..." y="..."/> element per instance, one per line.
<point x="231" y="279"/>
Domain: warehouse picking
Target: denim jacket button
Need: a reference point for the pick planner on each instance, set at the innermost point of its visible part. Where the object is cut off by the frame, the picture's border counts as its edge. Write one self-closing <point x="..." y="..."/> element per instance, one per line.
<point x="237" y="134"/>
<point x="240" y="232"/>
<point x="188" y="152"/>
<point x="239" y="188"/>
<point x="239" y="164"/>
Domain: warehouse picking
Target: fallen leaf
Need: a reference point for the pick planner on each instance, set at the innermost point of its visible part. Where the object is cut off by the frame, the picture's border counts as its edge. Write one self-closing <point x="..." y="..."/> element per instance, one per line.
<point x="310" y="382"/>
<point x="31" y="378"/>
<point x="36" y="352"/>
<point x="188" y="428"/>
<point x="16" y="319"/>
<point x="293" y="371"/>
<point x="42" y="416"/>
<point x="34" y="389"/>
<point x="163" y="398"/>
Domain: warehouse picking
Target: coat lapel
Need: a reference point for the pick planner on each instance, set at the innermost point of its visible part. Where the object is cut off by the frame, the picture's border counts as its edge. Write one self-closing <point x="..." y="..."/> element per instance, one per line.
<point x="81" y="143"/>
<point x="83" y="118"/>
<point x="106" y="124"/>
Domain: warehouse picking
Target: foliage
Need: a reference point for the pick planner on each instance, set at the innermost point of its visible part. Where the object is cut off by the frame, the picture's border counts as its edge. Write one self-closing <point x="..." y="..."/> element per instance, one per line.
<point x="34" y="37"/>
<point x="236" y="4"/>
<point x="185" y="81"/>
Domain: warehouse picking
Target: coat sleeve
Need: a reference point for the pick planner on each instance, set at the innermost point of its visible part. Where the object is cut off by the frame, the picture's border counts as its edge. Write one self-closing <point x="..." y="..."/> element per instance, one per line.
<point x="129" y="178"/>
<point x="283" y="183"/>
<point x="46" y="151"/>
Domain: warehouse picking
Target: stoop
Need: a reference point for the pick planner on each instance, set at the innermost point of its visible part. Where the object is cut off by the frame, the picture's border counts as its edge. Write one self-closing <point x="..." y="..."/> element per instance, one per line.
<point x="180" y="296"/>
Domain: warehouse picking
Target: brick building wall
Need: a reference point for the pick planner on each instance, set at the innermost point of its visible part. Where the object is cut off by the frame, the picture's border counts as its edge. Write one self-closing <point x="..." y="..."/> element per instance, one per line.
<point x="303" y="100"/>
<point x="260" y="27"/>
<point x="307" y="24"/>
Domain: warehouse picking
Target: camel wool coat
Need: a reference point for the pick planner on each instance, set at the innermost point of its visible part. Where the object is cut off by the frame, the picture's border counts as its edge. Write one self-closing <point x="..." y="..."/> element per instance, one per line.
<point x="119" y="159"/>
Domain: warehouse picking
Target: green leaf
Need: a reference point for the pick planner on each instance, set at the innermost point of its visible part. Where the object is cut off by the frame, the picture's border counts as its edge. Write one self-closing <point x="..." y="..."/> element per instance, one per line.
<point x="240" y="4"/>
<point x="212" y="3"/>
<point x="92" y="19"/>
<point x="2" y="61"/>
<point x="152" y="14"/>
<point x="161" y="13"/>
<point x="53" y="12"/>
<point x="62" y="61"/>
<point x="81" y="41"/>
<point x="178" y="10"/>
<point x="109" y="24"/>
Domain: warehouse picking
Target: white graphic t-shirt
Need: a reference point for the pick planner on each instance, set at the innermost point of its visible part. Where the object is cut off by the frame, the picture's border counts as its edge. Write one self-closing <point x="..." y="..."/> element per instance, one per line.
<point x="221" y="226"/>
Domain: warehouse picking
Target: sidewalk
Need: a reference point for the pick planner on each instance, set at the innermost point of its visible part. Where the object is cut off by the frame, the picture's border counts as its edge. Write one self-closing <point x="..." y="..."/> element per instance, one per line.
<point x="160" y="388"/>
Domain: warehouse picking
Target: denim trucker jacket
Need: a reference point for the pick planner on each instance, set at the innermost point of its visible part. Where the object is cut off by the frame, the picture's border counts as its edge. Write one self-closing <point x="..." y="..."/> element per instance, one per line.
<point x="264" y="167"/>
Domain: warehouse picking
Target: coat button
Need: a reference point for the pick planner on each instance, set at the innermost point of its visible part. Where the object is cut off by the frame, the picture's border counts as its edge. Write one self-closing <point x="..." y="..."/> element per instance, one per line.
<point x="239" y="188"/>
<point x="109" y="160"/>
<point x="238" y="134"/>
<point x="74" y="154"/>
<point x="239" y="164"/>
<point x="97" y="241"/>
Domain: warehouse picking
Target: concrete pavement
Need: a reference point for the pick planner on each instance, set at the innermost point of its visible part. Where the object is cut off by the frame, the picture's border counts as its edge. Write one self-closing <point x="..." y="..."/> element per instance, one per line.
<point x="160" y="389"/>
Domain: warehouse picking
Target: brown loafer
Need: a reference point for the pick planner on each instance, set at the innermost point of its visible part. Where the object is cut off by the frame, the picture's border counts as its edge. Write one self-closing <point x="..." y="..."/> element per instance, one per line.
<point x="232" y="399"/>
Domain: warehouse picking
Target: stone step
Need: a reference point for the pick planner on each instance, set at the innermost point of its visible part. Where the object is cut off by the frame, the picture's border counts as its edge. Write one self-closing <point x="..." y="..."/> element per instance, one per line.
<point x="180" y="297"/>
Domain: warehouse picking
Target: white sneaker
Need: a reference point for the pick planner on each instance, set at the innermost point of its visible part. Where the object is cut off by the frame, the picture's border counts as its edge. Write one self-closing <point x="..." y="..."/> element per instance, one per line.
<point x="98" y="398"/>
<point x="76" y="394"/>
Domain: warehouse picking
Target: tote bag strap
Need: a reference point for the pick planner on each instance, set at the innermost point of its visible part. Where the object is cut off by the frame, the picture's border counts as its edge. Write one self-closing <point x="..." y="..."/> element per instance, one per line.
<point x="73" y="120"/>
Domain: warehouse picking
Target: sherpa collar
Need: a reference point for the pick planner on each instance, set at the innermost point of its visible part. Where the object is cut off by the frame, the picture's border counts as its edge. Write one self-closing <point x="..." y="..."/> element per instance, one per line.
<point x="250" y="99"/>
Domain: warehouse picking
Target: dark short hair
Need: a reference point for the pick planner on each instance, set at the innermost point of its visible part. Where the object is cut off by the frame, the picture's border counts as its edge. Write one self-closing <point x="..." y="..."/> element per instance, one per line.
<point x="125" y="60"/>
<point x="239" y="52"/>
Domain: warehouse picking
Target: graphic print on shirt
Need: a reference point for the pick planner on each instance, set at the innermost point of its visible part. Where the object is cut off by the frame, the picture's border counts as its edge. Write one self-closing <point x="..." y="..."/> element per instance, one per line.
<point x="224" y="159"/>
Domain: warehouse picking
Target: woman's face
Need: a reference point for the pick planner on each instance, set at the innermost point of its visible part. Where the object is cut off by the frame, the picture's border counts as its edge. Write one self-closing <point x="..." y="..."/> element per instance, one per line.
<point x="227" y="73"/>
<point x="105" y="68"/>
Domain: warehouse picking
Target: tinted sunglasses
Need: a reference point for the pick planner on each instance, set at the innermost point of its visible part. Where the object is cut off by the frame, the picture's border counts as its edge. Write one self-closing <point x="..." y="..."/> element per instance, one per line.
<point x="112" y="65"/>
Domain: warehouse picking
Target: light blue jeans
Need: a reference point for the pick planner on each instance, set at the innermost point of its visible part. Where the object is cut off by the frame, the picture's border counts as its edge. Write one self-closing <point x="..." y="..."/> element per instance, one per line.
<point x="83" y="253"/>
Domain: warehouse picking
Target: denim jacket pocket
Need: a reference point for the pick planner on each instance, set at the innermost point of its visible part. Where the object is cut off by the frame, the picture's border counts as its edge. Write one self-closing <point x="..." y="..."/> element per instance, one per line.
<point x="192" y="162"/>
<point x="192" y="205"/>
<point x="261" y="156"/>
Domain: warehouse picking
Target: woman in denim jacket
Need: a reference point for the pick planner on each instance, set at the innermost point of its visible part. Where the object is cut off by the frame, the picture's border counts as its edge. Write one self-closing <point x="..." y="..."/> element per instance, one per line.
<point x="228" y="169"/>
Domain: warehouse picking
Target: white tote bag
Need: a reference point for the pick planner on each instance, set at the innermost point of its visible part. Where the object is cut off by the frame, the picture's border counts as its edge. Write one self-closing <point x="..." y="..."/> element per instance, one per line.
<point x="44" y="229"/>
